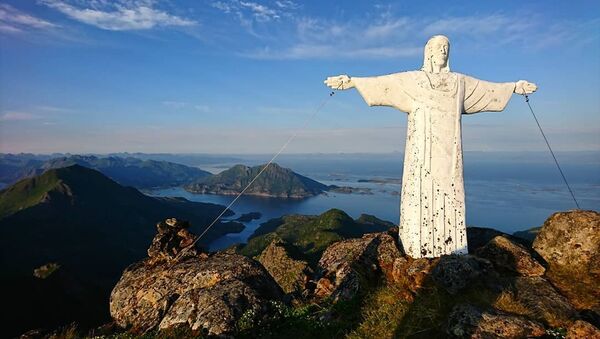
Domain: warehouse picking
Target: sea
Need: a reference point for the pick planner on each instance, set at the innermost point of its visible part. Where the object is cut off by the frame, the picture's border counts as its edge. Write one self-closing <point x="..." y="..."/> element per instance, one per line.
<point x="507" y="191"/>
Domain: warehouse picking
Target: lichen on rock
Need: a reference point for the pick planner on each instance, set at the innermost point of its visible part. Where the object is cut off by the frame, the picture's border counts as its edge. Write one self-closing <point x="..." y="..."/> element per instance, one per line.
<point x="570" y="244"/>
<point x="509" y="256"/>
<point x="291" y="274"/>
<point x="206" y="293"/>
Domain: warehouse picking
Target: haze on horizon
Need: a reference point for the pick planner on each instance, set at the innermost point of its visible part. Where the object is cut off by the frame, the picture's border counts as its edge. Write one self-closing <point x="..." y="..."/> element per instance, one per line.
<point x="240" y="77"/>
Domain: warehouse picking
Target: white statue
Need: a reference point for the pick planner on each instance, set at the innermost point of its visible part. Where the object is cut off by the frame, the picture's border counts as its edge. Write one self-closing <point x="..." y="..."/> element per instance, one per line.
<point x="432" y="209"/>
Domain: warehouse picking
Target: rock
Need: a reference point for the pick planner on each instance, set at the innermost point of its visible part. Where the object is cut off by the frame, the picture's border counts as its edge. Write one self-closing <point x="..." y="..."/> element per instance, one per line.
<point x="291" y="274"/>
<point x="582" y="329"/>
<point x="509" y="256"/>
<point x="570" y="244"/>
<point x="455" y="272"/>
<point x="412" y="274"/>
<point x="387" y="251"/>
<point x="208" y="294"/>
<point x="535" y="298"/>
<point x="346" y="266"/>
<point x="171" y="239"/>
<point x="46" y="270"/>
<point x="467" y="321"/>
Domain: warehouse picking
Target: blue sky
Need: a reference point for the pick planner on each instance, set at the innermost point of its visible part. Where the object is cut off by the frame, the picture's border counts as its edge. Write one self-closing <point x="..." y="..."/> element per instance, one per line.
<point x="235" y="76"/>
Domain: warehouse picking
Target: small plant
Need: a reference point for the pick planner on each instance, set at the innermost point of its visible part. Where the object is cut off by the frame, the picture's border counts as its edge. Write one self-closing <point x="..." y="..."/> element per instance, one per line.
<point x="556" y="333"/>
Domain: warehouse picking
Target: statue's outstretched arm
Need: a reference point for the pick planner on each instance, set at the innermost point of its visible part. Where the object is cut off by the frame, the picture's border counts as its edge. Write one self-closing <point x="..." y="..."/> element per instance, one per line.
<point x="339" y="82"/>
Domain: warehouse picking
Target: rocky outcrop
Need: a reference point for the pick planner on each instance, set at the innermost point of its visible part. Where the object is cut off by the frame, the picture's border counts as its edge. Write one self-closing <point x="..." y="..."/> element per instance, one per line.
<point x="570" y="244"/>
<point x="582" y="329"/>
<point x="291" y="274"/>
<point x="206" y="293"/>
<point x="454" y="273"/>
<point x="512" y="257"/>
<point x="501" y="290"/>
<point x="349" y="265"/>
<point x="467" y="321"/>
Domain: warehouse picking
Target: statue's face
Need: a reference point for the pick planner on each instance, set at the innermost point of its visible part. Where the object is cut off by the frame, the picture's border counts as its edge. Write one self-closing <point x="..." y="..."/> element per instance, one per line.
<point x="440" y="49"/>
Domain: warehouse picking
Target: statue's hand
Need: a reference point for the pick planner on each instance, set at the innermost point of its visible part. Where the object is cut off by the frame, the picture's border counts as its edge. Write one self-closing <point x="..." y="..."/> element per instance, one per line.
<point x="524" y="87"/>
<point x="339" y="82"/>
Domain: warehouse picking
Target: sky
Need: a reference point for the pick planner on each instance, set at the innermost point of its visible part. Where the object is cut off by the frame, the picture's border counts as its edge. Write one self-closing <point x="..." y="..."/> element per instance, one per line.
<point x="234" y="76"/>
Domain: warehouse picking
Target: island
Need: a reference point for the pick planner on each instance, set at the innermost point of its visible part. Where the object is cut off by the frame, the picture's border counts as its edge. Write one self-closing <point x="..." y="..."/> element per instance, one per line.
<point x="274" y="182"/>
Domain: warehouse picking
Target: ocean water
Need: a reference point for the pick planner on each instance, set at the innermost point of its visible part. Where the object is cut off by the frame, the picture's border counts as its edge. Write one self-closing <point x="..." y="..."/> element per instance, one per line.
<point x="507" y="192"/>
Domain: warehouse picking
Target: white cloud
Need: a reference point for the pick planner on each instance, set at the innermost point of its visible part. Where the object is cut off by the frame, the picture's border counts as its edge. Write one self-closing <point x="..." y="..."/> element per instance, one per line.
<point x="384" y="35"/>
<point x="120" y="15"/>
<point x="18" y="116"/>
<point x="248" y="12"/>
<point x="13" y="20"/>
<point x="323" y="51"/>
<point x="261" y="12"/>
<point x="287" y="4"/>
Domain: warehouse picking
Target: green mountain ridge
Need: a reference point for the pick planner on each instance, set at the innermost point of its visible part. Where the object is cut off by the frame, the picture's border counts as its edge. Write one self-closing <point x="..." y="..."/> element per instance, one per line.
<point x="275" y="181"/>
<point x="311" y="235"/>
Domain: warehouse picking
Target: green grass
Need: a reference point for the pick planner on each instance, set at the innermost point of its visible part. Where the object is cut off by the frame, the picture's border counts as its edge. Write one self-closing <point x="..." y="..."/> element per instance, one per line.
<point x="26" y="193"/>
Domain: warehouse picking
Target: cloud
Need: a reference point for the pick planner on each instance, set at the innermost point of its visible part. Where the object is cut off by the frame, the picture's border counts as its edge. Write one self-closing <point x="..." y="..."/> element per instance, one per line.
<point x="248" y="11"/>
<point x="383" y="35"/>
<point x="18" y="116"/>
<point x="120" y="15"/>
<point x="260" y="12"/>
<point x="287" y="4"/>
<point x="13" y="20"/>
<point x="323" y="51"/>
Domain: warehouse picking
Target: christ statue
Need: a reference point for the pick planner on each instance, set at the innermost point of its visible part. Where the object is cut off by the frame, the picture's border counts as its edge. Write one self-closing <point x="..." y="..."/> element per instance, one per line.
<point x="432" y="207"/>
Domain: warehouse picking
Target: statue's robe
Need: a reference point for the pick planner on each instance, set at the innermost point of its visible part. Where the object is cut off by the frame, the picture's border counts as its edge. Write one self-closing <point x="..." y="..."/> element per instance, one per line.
<point x="432" y="208"/>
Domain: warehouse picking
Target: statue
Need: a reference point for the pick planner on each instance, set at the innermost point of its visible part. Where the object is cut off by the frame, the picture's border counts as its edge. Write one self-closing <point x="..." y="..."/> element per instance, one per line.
<point x="432" y="208"/>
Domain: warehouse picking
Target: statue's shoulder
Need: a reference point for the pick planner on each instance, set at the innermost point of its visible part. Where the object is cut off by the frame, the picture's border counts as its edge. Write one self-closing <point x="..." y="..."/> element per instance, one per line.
<point x="407" y="75"/>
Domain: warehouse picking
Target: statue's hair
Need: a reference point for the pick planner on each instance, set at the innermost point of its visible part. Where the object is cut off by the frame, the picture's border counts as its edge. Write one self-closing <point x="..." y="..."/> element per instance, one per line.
<point x="428" y="53"/>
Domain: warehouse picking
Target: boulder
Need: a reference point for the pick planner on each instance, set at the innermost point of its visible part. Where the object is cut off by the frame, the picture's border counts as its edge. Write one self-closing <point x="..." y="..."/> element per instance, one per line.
<point x="455" y="272"/>
<point x="291" y="274"/>
<point x="467" y="321"/>
<point x="535" y="298"/>
<point x="348" y="265"/>
<point x="582" y="329"/>
<point x="570" y="244"/>
<point x="205" y="293"/>
<point x="512" y="257"/>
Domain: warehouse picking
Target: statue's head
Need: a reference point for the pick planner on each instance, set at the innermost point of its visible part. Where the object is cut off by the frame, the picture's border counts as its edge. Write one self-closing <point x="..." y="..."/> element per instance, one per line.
<point x="437" y="53"/>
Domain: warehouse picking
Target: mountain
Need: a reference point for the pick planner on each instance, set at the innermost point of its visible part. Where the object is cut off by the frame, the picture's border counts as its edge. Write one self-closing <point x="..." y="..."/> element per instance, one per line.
<point x="14" y="167"/>
<point x="276" y="181"/>
<point x="312" y="234"/>
<point x="126" y="171"/>
<point x="89" y="225"/>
